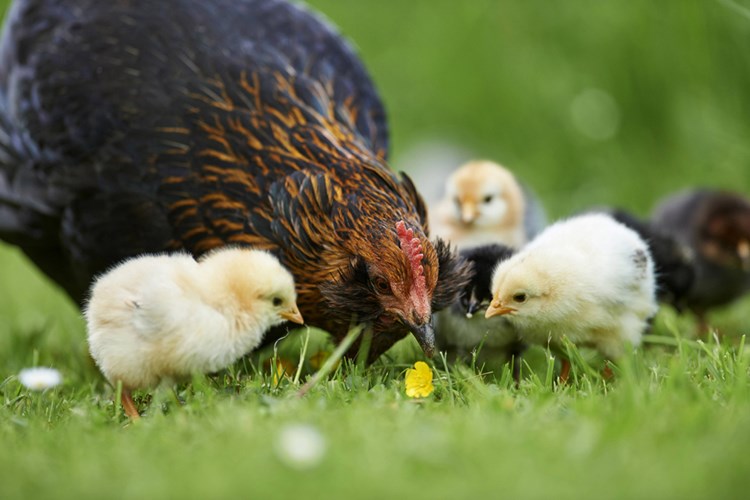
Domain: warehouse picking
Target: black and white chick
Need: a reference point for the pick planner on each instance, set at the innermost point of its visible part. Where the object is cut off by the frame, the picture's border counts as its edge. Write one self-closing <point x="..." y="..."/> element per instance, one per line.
<point x="715" y="225"/>
<point x="462" y="328"/>
<point x="588" y="278"/>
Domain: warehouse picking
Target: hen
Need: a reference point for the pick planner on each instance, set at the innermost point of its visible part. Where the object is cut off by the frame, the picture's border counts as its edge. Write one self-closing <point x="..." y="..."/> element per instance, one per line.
<point x="141" y="126"/>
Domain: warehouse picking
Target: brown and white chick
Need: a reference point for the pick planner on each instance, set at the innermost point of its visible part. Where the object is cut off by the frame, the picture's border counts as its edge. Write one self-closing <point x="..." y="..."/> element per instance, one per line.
<point x="159" y="318"/>
<point x="715" y="225"/>
<point x="483" y="204"/>
<point x="588" y="278"/>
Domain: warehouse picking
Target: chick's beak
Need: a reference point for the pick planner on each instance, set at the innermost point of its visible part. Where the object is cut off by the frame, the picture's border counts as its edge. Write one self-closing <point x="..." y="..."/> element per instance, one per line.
<point x="292" y="314"/>
<point x="474" y="306"/>
<point x="743" y="250"/>
<point x="468" y="213"/>
<point x="497" y="308"/>
<point x="425" y="335"/>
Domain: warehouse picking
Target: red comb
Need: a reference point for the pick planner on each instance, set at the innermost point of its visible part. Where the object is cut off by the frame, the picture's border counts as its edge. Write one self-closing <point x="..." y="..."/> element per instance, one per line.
<point x="412" y="247"/>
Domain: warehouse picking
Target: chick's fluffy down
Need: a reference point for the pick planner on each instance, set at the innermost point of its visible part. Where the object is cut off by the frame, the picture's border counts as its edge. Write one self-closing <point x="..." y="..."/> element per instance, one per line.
<point x="589" y="278"/>
<point x="164" y="317"/>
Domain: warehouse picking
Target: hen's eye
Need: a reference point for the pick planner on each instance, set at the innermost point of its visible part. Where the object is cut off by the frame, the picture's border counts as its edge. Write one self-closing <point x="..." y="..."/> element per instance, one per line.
<point x="382" y="285"/>
<point x="520" y="298"/>
<point x="277" y="301"/>
<point x="487" y="198"/>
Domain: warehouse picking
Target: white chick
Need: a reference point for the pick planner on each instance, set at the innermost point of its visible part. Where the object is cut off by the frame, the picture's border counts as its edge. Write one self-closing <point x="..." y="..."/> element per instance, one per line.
<point x="483" y="204"/>
<point x="588" y="278"/>
<point x="163" y="317"/>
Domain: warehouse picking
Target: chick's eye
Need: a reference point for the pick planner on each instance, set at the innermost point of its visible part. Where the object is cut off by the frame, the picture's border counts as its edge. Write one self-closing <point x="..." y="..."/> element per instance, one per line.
<point x="519" y="298"/>
<point x="487" y="199"/>
<point x="382" y="285"/>
<point x="277" y="301"/>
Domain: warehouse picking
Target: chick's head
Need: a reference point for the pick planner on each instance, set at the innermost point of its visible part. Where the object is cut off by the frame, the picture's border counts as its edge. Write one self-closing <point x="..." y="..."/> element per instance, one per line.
<point x="724" y="237"/>
<point x="485" y="194"/>
<point x="477" y="294"/>
<point x="251" y="283"/>
<point x="522" y="291"/>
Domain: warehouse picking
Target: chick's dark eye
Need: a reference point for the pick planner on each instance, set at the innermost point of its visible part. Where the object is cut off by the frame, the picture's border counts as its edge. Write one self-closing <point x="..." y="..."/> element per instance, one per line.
<point x="520" y="298"/>
<point x="487" y="199"/>
<point x="277" y="301"/>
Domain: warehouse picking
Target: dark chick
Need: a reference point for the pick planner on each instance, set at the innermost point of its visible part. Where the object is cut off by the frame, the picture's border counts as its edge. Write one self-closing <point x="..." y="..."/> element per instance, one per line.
<point x="463" y="328"/>
<point x="673" y="261"/>
<point x="716" y="226"/>
<point x="142" y="126"/>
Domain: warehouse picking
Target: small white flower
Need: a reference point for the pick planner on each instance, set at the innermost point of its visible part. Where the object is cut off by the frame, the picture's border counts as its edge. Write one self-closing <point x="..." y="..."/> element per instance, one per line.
<point x="39" y="379"/>
<point x="301" y="446"/>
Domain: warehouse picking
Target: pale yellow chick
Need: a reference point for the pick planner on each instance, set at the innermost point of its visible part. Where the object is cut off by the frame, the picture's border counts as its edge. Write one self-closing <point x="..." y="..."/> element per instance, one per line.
<point x="163" y="317"/>
<point x="588" y="278"/>
<point x="483" y="204"/>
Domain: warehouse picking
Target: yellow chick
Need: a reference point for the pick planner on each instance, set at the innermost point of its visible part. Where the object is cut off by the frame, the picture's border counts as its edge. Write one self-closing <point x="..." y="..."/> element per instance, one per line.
<point x="589" y="278"/>
<point x="162" y="317"/>
<point x="483" y="204"/>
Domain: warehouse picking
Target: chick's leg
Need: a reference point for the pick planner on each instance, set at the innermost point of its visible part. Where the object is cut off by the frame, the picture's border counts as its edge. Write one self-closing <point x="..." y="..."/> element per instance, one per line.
<point x="129" y="406"/>
<point x="564" y="371"/>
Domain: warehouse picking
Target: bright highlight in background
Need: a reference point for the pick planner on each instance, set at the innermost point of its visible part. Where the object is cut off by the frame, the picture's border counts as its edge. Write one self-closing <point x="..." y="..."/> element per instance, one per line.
<point x="595" y="114"/>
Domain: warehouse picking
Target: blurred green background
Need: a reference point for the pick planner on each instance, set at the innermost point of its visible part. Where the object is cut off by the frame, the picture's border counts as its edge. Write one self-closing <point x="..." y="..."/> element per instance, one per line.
<point x="590" y="102"/>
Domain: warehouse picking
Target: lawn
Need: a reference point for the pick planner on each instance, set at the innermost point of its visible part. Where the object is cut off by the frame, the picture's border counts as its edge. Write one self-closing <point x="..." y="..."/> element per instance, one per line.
<point x="590" y="103"/>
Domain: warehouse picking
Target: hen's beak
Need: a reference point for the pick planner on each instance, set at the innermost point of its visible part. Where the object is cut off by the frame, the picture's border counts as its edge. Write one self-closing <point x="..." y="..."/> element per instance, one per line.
<point x="497" y="308"/>
<point x="425" y="335"/>
<point x="292" y="314"/>
<point x="743" y="250"/>
<point x="468" y="213"/>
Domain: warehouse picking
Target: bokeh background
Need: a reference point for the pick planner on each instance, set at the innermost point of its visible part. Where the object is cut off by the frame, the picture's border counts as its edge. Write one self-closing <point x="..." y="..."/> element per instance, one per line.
<point x="590" y="102"/>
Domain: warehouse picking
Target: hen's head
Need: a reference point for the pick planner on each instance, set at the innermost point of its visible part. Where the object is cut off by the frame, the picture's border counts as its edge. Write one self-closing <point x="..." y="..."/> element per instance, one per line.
<point x="395" y="282"/>
<point x="724" y="236"/>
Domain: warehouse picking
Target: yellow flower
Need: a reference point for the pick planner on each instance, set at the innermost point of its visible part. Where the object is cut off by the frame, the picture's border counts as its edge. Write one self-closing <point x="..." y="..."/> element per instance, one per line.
<point x="284" y="369"/>
<point x="419" y="381"/>
<point x="317" y="360"/>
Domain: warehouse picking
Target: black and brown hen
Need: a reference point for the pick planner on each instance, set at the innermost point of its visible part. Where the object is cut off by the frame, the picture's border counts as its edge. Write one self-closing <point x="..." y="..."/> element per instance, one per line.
<point x="140" y="126"/>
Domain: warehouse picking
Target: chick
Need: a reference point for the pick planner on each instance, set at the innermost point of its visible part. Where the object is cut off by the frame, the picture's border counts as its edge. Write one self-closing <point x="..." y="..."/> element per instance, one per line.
<point x="483" y="204"/>
<point x="716" y="227"/>
<point x="673" y="261"/>
<point x="162" y="317"/>
<point x="460" y="330"/>
<point x="588" y="278"/>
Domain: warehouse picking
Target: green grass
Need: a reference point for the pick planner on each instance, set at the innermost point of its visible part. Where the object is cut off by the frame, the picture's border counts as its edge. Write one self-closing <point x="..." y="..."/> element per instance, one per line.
<point x="497" y="78"/>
